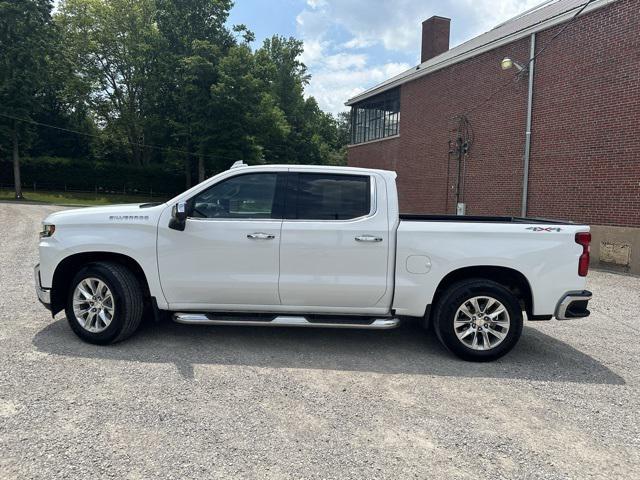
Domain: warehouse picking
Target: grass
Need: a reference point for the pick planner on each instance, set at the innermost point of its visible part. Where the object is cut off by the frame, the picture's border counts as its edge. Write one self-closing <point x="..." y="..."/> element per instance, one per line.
<point x="77" y="198"/>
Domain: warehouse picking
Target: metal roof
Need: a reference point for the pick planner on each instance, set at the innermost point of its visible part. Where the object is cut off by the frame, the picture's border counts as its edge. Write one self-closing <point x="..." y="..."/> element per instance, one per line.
<point x="541" y="17"/>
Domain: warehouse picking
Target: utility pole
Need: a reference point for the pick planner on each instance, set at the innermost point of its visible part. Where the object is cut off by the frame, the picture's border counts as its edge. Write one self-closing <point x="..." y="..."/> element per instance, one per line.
<point x="460" y="151"/>
<point x="463" y="142"/>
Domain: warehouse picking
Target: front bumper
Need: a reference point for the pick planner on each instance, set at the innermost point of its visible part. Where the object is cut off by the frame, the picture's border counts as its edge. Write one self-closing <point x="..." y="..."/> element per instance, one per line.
<point x="573" y="305"/>
<point x="44" y="294"/>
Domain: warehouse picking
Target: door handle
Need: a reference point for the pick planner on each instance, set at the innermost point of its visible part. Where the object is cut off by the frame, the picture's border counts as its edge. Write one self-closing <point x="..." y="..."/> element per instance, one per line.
<point x="261" y="236"/>
<point x="368" y="238"/>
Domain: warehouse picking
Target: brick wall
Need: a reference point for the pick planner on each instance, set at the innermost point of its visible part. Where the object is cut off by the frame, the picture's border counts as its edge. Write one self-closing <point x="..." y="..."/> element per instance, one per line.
<point x="384" y="154"/>
<point x="586" y="143"/>
<point x="585" y="157"/>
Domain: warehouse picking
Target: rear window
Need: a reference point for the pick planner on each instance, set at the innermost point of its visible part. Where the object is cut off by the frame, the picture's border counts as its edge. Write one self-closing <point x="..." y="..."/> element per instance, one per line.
<point x="322" y="196"/>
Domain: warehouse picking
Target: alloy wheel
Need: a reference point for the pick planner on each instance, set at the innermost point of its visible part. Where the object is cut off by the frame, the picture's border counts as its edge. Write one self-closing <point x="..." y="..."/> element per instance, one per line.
<point x="481" y="323"/>
<point x="93" y="305"/>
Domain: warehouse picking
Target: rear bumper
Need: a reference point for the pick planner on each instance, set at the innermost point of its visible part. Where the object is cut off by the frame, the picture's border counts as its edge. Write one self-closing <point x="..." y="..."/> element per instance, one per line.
<point x="44" y="294"/>
<point x="573" y="305"/>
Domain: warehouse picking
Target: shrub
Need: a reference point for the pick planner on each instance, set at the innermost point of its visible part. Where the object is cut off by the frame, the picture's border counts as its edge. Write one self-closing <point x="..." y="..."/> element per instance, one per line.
<point x="53" y="173"/>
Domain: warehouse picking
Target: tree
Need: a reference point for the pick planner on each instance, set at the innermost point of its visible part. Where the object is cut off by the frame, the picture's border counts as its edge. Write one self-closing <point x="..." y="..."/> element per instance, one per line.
<point x="25" y="34"/>
<point x="155" y="81"/>
<point x="313" y="134"/>
<point x="343" y="125"/>
<point x="194" y="39"/>
<point x="245" y="116"/>
<point x="114" y="44"/>
<point x="61" y="103"/>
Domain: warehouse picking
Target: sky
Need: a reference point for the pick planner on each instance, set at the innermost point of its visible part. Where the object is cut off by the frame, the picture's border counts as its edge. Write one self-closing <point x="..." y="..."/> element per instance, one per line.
<point x="351" y="45"/>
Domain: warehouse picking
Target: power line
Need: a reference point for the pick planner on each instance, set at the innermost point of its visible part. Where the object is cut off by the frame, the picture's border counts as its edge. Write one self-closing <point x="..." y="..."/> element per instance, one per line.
<point x="273" y="148"/>
<point x="559" y="32"/>
<point x="531" y="60"/>
<point x="126" y="142"/>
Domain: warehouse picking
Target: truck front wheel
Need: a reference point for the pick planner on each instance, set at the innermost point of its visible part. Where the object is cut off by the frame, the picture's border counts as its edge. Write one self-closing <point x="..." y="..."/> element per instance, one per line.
<point x="478" y="320"/>
<point x="105" y="303"/>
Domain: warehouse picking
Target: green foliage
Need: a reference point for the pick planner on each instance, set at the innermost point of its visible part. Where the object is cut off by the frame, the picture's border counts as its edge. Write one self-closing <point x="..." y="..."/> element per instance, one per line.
<point x="53" y="173"/>
<point x="114" y="45"/>
<point x="245" y="114"/>
<point x="311" y="136"/>
<point x="160" y="86"/>
<point x="24" y="46"/>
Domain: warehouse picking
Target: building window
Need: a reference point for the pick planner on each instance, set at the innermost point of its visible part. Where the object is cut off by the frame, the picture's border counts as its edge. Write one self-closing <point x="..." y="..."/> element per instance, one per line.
<point x="376" y="117"/>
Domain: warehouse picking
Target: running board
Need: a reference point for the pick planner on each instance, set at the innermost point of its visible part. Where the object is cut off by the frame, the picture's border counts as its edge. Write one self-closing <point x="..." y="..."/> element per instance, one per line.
<point x="281" y="321"/>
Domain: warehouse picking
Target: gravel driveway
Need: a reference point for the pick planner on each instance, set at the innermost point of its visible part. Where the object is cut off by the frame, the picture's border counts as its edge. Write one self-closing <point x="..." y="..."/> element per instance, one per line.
<point x="236" y="402"/>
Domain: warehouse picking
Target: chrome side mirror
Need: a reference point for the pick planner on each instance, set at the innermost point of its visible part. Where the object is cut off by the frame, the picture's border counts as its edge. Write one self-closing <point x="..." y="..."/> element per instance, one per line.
<point x="178" y="216"/>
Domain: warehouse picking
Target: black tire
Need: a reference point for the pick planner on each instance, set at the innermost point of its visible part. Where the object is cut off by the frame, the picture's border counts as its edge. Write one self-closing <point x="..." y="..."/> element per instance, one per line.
<point x="454" y="297"/>
<point x="128" y="298"/>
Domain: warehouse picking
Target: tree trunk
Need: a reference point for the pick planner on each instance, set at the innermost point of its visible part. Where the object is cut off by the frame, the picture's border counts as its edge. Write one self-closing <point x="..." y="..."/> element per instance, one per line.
<point x="187" y="165"/>
<point x="187" y="171"/>
<point x="200" y="168"/>
<point x="16" y="165"/>
<point x="134" y="145"/>
<point x="136" y="151"/>
<point x="145" y="154"/>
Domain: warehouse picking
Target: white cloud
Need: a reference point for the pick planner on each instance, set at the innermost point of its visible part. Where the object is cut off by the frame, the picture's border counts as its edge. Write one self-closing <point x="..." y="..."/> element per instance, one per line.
<point x="356" y="42"/>
<point x="313" y="52"/>
<point x="332" y="87"/>
<point x="340" y="70"/>
<point x="316" y="3"/>
<point x="345" y="61"/>
<point x="397" y="24"/>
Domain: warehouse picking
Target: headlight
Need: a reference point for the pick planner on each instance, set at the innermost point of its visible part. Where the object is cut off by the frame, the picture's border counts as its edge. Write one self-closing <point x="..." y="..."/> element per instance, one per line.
<point x="47" y="230"/>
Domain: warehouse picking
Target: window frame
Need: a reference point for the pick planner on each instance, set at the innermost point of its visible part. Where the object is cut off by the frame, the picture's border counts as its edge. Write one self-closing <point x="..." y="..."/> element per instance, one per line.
<point x="277" y="210"/>
<point x="376" y="118"/>
<point x="291" y="197"/>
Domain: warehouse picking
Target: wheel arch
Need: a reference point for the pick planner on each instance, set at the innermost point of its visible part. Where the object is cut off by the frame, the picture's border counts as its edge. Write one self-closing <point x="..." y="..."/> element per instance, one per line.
<point x="510" y="278"/>
<point x="69" y="266"/>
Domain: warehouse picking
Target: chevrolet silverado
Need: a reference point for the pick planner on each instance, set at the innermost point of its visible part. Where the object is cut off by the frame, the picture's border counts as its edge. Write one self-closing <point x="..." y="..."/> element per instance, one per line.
<point x="310" y="246"/>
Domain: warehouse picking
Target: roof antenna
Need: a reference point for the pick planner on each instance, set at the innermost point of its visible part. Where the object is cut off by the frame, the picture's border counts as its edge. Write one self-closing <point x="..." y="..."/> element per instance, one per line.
<point x="239" y="163"/>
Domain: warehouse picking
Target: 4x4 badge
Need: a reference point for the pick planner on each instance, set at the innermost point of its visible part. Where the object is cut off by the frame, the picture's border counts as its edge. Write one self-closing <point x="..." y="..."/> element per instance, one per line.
<point x="545" y="229"/>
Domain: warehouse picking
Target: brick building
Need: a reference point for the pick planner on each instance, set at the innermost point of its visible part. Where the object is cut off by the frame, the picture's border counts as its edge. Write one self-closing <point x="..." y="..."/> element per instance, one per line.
<point x="584" y="146"/>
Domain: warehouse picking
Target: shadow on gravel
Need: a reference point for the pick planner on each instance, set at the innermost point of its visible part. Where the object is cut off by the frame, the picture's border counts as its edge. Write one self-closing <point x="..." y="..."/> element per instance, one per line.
<point x="406" y="350"/>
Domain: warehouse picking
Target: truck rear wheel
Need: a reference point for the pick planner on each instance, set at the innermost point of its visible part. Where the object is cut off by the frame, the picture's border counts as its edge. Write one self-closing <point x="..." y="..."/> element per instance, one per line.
<point x="478" y="320"/>
<point x="105" y="303"/>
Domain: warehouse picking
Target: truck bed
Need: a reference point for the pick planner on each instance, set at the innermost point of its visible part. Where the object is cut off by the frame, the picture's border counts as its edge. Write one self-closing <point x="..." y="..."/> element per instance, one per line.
<point x="478" y="218"/>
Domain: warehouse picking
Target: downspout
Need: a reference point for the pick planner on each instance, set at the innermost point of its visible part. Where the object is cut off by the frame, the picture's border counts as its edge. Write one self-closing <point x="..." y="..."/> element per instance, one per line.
<point x="527" y="140"/>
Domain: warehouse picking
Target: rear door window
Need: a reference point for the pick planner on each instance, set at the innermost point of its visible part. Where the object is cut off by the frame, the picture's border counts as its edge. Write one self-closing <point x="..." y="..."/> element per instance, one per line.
<point x="322" y="196"/>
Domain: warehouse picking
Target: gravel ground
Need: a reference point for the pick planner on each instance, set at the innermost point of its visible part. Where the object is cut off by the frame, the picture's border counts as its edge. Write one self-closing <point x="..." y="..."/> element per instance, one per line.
<point x="231" y="402"/>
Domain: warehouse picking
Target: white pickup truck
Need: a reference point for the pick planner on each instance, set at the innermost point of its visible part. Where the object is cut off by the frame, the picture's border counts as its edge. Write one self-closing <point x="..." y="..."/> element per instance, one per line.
<point x="310" y="246"/>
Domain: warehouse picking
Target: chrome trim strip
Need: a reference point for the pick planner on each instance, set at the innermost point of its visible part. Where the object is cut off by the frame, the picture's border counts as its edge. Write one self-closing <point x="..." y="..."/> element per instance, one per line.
<point x="282" y="321"/>
<point x="229" y="219"/>
<point x="44" y="295"/>
<point x="372" y="210"/>
<point x="567" y="300"/>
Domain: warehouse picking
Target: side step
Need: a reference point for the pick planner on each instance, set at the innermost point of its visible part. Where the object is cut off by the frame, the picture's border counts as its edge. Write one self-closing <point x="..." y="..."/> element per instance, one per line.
<point x="282" y="321"/>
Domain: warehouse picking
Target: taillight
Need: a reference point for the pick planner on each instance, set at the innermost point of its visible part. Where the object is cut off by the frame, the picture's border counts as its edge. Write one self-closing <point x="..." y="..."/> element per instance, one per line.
<point x="584" y="239"/>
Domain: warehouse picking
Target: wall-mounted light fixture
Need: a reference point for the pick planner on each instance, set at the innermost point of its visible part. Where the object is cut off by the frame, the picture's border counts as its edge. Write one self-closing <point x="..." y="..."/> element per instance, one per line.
<point x="508" y="63"/>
